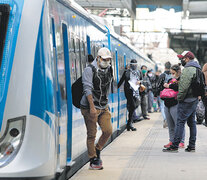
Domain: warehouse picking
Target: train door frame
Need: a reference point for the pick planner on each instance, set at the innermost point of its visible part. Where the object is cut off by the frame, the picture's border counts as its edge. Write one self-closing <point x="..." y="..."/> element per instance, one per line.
<point x="57" y="89"/>
<point x="118" y="91"/>
<point x="68" y="90"/>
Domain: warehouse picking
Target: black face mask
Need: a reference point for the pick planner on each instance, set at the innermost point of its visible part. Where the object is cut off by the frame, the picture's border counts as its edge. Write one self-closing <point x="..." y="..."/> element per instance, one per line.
<point x="183" y="62"/>
<point x="133" y="67"/>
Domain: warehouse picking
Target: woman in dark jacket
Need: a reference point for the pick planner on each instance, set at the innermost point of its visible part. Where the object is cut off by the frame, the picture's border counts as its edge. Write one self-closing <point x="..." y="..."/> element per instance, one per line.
<point x="171" y="106"/>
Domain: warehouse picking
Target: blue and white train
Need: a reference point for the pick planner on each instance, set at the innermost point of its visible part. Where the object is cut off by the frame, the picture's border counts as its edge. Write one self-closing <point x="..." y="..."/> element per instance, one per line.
<point x="43" y="50"/>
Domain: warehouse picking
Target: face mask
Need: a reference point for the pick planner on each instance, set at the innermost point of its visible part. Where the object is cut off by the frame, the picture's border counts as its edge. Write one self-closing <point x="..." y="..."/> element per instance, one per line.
<point x="133" y="67"/>
<point x="183" y="62"/>
<point x="104" y="64"/>
<point x="150" y="74"/>
<point x="144" y="71"/>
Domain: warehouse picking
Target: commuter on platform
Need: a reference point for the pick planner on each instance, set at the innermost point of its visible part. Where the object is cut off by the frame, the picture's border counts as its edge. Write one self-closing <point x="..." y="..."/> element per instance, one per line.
<point x="204" y="98"/>
<point x="143" y="95"/>
<point x="171" y="106"/>
<point x="130" y="76"/>
<point x="94" y="104"/>
<point x="164" y="77"/>
<point x="151" y="77"/>
<point x="187" y="103"/>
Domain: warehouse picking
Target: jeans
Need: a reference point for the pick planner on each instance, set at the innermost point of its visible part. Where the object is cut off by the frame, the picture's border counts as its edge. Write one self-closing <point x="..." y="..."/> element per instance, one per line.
<point x="186" y="113"/>
<point x="171" y="117"/>
<point x="103" y="118"/>
<point x="150" y="100"/>
<point x="162" y="109"/>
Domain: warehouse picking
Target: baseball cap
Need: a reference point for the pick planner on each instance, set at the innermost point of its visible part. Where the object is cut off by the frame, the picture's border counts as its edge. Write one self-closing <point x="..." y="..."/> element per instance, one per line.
<point x="133" y="61"/>
<point x="188" y="54"/>
<point x="104" y="53"/>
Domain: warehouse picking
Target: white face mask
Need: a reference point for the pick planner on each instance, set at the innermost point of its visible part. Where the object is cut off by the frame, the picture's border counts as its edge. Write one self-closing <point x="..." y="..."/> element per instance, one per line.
<point x="104" y="64"/>
<point x="150" y="74"/>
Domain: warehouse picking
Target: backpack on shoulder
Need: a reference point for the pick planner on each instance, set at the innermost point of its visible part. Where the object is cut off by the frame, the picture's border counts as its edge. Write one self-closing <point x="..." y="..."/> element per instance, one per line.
<point x="198" y="84"/>
<point x="77" y="89"/>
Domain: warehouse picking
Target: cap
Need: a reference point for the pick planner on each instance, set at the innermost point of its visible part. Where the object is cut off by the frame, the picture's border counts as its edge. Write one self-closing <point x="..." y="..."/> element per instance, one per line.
<point x="104" y="53"/>
<point x="188" y="54"/>
<point x="133" y="61"/>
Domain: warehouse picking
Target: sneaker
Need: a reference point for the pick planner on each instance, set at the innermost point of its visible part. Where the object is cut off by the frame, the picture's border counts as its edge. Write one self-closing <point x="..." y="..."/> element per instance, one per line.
<point x="168" y="145"/>
<point x="189" y="149"/>
<point x="181" y="145"/>
<point x="171" y="149"/>
<point x="145" y="117"/>
<point x="95" y="164"/>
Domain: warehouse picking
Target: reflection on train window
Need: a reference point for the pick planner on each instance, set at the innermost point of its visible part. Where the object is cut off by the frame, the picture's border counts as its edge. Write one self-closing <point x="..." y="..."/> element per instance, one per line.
<point x="61" y="66"/>
<point x="72" y="57"/>
<point x="4" y="19"/>
<point x="93" y="49"/>
<point x="83" y="55"/>
<point x="78" y="58"/>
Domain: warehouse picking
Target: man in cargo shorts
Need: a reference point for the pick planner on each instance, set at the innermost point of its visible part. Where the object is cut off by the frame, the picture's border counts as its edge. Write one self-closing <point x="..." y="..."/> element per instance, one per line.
<point x="94" y="104"/>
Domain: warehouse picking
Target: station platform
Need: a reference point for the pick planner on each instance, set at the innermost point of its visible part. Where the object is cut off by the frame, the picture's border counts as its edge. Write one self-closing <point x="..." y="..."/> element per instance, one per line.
<point x="138" y="156"/>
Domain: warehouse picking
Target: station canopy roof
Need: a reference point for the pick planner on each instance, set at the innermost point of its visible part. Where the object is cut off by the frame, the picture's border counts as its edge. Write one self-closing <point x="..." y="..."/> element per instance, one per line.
<point x="191" y="8"/>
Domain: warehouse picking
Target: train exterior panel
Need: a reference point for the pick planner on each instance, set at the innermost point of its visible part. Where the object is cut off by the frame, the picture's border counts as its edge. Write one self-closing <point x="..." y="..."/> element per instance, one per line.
<point x="44" y="48"/>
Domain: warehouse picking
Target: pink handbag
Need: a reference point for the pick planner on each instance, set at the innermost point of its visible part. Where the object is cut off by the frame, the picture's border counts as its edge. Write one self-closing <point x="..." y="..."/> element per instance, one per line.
<point x="169" y="93"/>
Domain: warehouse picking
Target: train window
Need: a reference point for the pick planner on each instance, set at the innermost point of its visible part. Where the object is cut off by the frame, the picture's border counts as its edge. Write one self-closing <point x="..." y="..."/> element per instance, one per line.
<point x="83" y="55"/>
<point x="72" y="45"/>
<point x="4" y="19"/>
<point x="78" y="58"/>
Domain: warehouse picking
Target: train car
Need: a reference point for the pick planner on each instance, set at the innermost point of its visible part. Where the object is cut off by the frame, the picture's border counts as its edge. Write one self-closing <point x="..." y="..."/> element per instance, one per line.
<point x="43" y="50"/>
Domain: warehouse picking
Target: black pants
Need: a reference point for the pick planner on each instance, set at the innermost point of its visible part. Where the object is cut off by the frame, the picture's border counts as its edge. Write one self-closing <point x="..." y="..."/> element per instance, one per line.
<point x="132" y="104"/>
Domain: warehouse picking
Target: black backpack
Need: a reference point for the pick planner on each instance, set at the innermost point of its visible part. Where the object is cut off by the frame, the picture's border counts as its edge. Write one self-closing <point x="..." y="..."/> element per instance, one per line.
<point x="77" y="89"/>
<point x="198" y="83"/>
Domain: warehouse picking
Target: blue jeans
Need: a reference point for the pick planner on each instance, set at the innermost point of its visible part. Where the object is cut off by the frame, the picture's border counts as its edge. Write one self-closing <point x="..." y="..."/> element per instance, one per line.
<point x="162" y="109"/>
<point x="171" y="117"/>
<point x="186" y="113"/>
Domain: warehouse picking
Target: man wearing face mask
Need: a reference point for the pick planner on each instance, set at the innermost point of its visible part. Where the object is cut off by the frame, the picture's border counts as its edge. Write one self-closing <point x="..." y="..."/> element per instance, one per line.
<point x="187" y="103"/>
<point x="94" y="104"/>
<point x="144" y="97"/>
<point x="132" y="95"/>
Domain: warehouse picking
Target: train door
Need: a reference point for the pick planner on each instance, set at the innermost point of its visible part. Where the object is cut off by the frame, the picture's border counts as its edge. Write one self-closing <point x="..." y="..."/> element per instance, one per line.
<point x="61" y="99"/>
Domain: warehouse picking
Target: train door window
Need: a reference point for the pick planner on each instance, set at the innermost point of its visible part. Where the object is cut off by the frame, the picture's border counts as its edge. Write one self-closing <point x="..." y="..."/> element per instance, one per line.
<point x="78" y="58"/>
<point x="83" y="55"/>
<point x="93" y="49"/>
<point x="72" y="56"/>
<point x="4" y="19"/>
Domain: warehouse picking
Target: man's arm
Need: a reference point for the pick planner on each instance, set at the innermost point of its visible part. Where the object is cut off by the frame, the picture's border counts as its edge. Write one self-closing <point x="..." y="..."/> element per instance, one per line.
<point x="87" y="80"/>
<point x="184" y="83"/>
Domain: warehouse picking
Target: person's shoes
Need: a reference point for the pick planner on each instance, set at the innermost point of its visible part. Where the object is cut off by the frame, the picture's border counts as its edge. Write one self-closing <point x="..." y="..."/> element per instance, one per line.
<point x="205" y="124"/>
<point x="131" y="128"/>
<point x="146" y="118"/>
<point x="171" y="149"/>
<point x="149" y="111"/>
<point x="165" y="124"/>
<point x="190" y="149"/>
<point x="95" y="164"/>
<point x="137" y="120"/>
<point x="181" y="145"/>
<point x="168" y="145"/>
